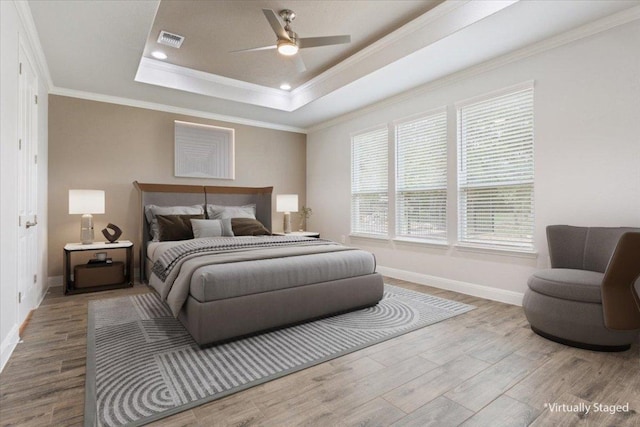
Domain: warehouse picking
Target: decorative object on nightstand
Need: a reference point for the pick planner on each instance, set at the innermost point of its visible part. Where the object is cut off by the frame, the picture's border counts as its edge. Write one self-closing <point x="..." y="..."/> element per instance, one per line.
<point x="287" y="203"/>
<point x="305" y="213"/>
<point x="112" y="237"/>
<point x="86" y="202"/>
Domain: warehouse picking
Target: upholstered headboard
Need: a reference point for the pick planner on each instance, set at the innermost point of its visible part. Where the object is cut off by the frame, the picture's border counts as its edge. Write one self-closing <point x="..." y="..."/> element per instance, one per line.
<point x="187" y="195"/>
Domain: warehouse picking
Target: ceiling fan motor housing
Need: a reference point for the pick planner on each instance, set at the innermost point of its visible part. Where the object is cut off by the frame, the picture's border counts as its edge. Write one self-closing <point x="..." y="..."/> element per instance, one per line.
<point x="287" y="15"/>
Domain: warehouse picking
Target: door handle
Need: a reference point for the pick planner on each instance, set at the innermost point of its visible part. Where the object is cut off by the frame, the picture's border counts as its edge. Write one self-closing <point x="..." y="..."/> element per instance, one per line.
<point x="30" y="224"/>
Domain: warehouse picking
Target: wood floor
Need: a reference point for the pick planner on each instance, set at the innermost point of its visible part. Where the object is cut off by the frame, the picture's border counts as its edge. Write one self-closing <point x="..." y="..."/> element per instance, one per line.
<point x="483" y="368"/>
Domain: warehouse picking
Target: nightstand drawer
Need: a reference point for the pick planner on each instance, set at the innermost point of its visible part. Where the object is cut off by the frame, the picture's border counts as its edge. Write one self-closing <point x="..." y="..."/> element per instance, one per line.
<point x="86" y="276"/>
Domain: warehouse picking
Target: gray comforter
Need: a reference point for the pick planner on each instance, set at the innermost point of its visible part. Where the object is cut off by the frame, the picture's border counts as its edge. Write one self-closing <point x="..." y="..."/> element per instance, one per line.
<point x="174" y="265"/>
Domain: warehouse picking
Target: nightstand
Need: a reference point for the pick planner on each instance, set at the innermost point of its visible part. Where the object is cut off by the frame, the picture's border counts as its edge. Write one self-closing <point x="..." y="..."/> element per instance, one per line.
<point x="298" y="233"/>
<point x="97" y="276"/>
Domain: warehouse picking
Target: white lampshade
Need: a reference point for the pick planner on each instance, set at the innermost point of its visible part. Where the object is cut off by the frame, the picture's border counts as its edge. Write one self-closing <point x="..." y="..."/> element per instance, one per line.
<point x="287" y="203"/>
<point x="86" y="202"/>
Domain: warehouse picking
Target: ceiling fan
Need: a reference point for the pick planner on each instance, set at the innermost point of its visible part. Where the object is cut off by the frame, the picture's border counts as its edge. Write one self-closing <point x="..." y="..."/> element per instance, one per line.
<point x="288" y="42"/>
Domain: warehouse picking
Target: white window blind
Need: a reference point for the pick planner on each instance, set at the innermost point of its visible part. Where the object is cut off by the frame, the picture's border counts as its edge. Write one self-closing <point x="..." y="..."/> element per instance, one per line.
<point x="369" y="182"/>
<point x="421" y="177"/>
<point x="495" y="171"/>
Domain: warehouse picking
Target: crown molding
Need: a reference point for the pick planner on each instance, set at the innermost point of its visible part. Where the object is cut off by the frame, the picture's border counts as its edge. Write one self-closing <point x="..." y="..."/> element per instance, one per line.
<point x="31" y="33"/>
<point x="584" y="31"/>
<point x="170" y="109"/>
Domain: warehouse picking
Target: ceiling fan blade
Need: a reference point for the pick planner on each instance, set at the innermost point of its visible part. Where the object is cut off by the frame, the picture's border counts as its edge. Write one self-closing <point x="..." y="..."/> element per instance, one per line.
<point x="275" y="24"/>
<point x="299" y="63"/>
<point x="322" y="41"/>
<point x="255" y="49"/>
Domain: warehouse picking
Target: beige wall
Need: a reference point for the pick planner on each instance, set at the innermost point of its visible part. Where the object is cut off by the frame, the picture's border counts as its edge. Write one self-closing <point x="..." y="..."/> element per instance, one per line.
<point x="96" y="145"/>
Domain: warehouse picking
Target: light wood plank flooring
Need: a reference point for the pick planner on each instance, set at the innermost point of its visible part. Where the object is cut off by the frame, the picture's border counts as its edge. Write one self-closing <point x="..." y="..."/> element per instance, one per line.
<point x="483" y="368"/>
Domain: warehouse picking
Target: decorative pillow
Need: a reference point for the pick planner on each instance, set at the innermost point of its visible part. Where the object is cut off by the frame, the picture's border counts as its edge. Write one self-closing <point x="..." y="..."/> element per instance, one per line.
<point x="211" y="228"/>
<point x="222" y="212"/>
<point x="150" y="212"/>
<point x="248" y="227"/>
<point x="175" y="227"/>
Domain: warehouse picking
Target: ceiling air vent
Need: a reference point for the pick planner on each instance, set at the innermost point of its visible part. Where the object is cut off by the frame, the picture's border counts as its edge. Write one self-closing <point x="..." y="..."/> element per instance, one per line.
<point x="170" y="39"/>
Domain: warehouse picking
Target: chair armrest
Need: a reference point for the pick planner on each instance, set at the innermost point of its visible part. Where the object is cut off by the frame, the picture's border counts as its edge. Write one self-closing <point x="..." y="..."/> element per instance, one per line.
<point x="620" y="300"/>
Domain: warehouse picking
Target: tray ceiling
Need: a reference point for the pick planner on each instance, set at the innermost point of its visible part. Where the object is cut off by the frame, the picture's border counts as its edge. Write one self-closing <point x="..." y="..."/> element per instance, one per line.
<point x="212" y="29"/>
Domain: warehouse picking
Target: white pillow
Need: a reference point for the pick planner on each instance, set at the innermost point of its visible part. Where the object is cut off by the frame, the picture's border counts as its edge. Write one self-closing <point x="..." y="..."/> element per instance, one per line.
<point x="222" y="212"/>
<point x="211" y="228"/>
<point x="150" y="212"/>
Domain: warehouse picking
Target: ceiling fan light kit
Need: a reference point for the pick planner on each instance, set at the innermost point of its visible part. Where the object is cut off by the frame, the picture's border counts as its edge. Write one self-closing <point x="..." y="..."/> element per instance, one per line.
<point x="287" y="48"/>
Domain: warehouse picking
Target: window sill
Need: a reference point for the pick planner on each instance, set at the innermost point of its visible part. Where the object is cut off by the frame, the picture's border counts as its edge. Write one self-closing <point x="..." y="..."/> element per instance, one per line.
<point x="379" y="237"/>
<point x="511" y="252"/>
<point x="422" y="242"/>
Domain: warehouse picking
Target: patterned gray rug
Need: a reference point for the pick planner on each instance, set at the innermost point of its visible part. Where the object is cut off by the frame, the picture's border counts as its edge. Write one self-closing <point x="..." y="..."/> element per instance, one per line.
<point x="142" y="365"/>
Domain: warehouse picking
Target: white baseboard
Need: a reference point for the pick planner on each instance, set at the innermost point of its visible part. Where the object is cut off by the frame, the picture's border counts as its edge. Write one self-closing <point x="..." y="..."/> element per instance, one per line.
<point x="11" y="341"/>
<point x="44" y="294"/>
<point x="487" y="292"/>
<point x="8" y="345"/>
<point x="54" y="281"/>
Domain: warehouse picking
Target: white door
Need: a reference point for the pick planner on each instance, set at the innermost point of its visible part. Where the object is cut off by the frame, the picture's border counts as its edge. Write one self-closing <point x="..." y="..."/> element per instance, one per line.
<point x="27" y="185"/>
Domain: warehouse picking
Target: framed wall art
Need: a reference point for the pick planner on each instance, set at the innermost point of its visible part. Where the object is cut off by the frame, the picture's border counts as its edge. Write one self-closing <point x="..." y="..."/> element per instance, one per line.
<point x="204" y="151"/>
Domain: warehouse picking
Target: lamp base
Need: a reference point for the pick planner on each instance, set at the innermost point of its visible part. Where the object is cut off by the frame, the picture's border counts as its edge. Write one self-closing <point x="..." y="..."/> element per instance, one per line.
<point x="286" y="227"/>
<point x="86" y="229"/>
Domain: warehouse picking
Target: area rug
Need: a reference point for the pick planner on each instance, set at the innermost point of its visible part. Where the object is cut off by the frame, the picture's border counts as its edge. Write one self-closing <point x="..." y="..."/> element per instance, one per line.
<point x="142" y="365"/>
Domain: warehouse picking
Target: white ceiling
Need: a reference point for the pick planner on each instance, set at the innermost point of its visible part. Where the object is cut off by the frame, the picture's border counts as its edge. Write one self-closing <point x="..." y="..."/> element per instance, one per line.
<point x="94" y="49"/>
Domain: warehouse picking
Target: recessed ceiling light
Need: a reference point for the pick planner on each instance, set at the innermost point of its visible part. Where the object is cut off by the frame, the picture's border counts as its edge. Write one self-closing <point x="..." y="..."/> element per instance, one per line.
<point x="159" y="55"/>
<point x="285" y="86"/>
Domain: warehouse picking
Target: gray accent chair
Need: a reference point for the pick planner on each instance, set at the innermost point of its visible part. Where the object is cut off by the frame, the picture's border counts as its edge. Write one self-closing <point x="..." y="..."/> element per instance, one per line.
<point x="589" y="296"/>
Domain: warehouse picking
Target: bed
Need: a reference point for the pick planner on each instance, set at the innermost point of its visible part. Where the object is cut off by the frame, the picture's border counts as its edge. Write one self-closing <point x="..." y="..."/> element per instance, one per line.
<point x="222" y="287"/>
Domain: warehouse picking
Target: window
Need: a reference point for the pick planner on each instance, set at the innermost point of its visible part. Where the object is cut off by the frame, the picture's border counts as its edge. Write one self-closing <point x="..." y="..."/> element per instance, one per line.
<point x="495" y="171"/>
<point x="421" y="177"/>
<point x="369" y="182"/>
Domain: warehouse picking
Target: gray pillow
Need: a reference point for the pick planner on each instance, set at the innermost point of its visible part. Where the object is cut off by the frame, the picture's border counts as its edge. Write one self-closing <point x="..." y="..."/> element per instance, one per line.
<point x="211" y="228"/>
<point x="150" y="212"/>
<point x="222" y="212"/>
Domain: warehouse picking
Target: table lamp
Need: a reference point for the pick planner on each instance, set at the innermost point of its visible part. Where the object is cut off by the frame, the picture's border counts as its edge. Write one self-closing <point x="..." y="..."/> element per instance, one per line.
<point x="86" y="202"/>
<point x="287" y="203"/>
